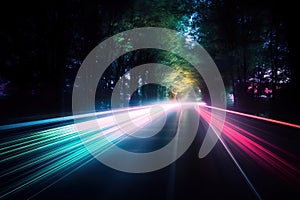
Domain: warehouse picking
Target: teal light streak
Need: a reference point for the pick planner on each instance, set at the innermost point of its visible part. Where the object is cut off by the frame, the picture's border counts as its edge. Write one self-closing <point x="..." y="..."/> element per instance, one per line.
<point x="53" y="151"/>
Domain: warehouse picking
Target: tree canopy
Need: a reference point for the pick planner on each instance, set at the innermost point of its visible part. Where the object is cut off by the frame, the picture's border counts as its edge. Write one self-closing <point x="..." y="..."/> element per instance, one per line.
<point x="251" y="42"/>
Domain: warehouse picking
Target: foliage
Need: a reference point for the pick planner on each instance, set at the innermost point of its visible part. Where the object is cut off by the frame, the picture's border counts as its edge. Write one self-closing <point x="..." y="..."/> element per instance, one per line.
<point x="250" y="41"/>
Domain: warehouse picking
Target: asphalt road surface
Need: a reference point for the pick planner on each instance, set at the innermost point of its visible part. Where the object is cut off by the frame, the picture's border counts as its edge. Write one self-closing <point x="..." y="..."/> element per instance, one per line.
<point x="214" y="177"/>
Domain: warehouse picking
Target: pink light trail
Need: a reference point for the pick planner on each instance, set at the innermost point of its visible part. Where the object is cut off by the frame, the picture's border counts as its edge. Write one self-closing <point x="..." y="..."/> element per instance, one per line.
<point x="260" y="150"/>
<point x="253" y="116"/>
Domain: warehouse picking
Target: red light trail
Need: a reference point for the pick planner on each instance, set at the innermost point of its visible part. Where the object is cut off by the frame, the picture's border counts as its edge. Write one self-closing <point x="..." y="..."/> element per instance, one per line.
<point x="253" y="116"/>
<point x="260" y="150"/>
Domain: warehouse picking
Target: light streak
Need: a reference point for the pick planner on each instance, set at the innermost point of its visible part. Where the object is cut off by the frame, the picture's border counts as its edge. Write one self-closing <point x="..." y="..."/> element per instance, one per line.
<point x="49" y="152"/>
<point x="34" y="156"/>
<point x="248" y="143"/>
<point x="69" y="118"/>
<point x="239" y="167"/>
<point x="207" y="117"/>
<point x="253" y="116"/>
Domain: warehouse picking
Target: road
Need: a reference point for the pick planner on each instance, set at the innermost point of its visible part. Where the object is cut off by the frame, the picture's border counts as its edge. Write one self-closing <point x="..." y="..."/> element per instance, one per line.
<point x="214" y="177"/>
